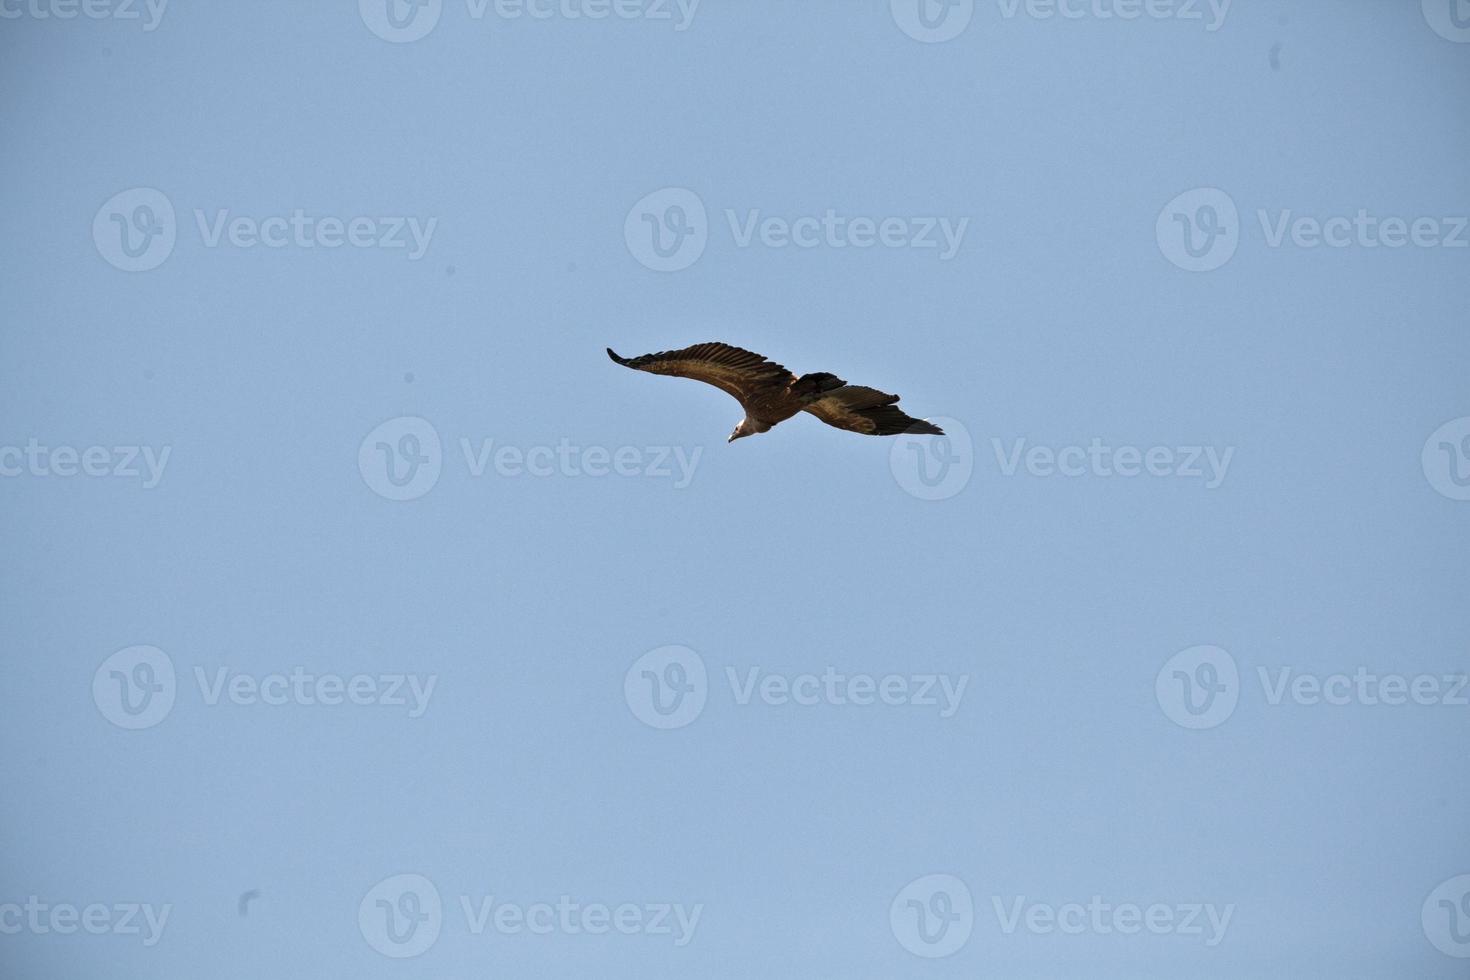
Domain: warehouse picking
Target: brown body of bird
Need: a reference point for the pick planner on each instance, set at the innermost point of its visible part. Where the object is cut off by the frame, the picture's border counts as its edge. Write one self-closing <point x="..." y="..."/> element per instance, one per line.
<point x="770" y="394"/>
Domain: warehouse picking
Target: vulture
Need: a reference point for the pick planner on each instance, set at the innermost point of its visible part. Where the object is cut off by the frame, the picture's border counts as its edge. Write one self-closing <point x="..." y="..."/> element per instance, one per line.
<point x="771" y="394"/>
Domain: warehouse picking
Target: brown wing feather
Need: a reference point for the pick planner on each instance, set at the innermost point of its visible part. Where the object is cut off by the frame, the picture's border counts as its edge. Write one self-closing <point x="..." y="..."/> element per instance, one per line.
<point x="869" y="411"/>
<point x="738" y="372"/>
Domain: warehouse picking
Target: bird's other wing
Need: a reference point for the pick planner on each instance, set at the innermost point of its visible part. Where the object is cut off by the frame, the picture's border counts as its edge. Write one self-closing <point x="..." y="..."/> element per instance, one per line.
<point x="735" y="371"/>
<point x="869" y="411"/>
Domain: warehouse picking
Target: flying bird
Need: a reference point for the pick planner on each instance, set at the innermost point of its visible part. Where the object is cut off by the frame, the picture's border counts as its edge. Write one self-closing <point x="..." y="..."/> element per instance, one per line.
<point x="246" y="898"/>
<point x="770" y="394"/>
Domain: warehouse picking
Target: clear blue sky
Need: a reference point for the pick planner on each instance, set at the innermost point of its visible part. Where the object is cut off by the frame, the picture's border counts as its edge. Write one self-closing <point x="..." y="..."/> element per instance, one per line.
<point x="1062" y="327"/>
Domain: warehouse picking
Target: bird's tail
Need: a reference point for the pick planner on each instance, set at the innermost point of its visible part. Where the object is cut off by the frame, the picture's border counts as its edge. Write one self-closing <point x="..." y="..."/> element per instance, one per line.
<point x="814" y="386"/>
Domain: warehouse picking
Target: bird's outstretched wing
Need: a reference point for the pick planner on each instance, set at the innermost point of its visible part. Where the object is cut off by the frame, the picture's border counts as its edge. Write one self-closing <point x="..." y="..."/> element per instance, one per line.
<point x="869" y="411"/>
<point x="738" y="372"/>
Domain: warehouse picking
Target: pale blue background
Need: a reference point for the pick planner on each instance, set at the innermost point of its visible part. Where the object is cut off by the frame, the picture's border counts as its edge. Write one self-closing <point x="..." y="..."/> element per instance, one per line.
<point x="528" y="777"/>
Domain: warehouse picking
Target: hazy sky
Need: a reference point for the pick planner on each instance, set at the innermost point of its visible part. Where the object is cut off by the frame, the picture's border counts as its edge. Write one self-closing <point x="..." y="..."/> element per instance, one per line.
<point x="345" y="569"/>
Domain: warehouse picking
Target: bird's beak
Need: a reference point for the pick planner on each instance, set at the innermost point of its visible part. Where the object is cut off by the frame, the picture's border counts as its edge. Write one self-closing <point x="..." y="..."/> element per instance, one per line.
<point x="732" y="438"/>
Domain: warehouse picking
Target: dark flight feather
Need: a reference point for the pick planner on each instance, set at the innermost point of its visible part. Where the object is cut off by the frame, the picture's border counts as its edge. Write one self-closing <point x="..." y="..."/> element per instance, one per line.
<point x="770" y="394"/>
<point x="869" y="411"/>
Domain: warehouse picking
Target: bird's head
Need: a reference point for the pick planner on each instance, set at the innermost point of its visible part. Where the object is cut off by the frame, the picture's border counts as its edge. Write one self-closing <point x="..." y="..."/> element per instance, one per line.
<point x="740" y="432"/>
